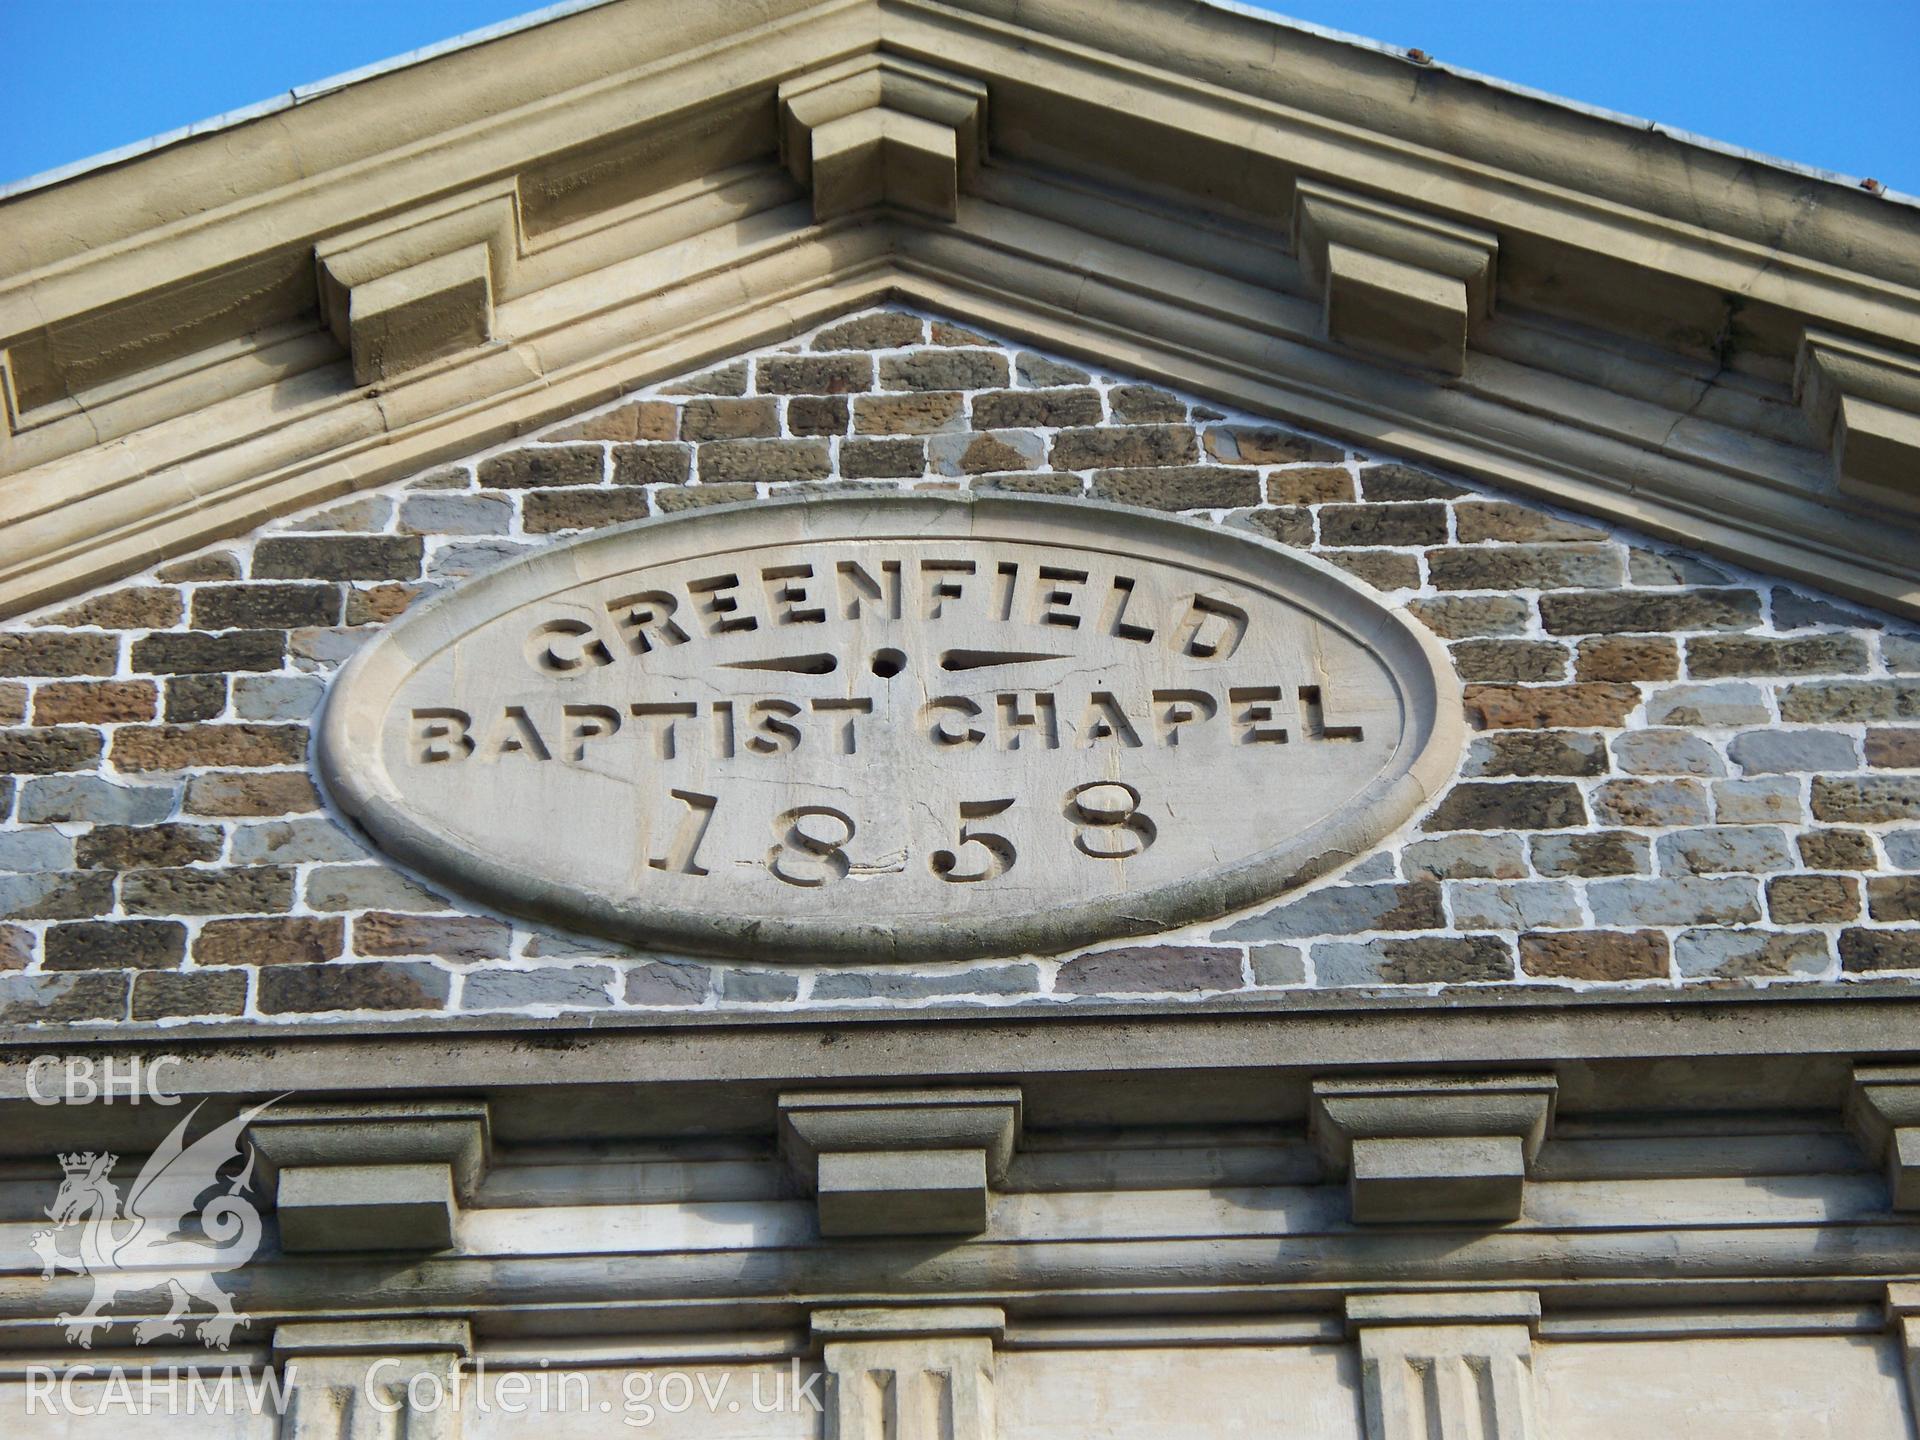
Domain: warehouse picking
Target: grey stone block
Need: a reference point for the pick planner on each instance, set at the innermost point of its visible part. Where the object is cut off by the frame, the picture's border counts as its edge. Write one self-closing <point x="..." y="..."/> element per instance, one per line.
<point x="1682" y="900"/>
<point x="1766" y="752"/>
<point x="58" y="798"/>
<point x="1750" y="954"/>
<point x="367" y="887"/>
<point x="35" y="850"/>
<point x="1721" y="850"/>
<point x="1540" y="905"/>
<point x="980" y="980"/>
<point x="290" y="842"/>
<point x="1344" y="910"/>
<point x="366" y="1207"/>
<point x="1716" y="705"/>
<point x="277" y="697"/>
<point x="1467" y="857"/>
<point x="574" y="986"/>
<point x="1666" y="752"/>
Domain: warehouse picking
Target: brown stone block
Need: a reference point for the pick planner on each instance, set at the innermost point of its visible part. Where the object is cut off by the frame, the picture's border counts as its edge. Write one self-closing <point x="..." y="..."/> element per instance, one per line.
<point x="1886" y="749"/>
<point x="1712" y="656"/>
<point x="1651" y="803"/>
<point x="1382" y="569"/>
<point x="882" y="459"/>
<point x="534" y="466"/>
<point x="94" y="702"/>
<point x="194" y="697"/>
<point x="729" y="379"/>
<point x="1550" y="707"/>
<point x="138" y="607"/>
<point x="1036" y="409"/>
<point x="449" y="937"/>
<point x="1124" y="445"/>
<point x="214" y="565"/>
<point x="1894" y="897"/>
<point x="16" y="947"/>
<point x="283" y="793"/>
<point x="53" y="654"/>
<point x="55" y="894"/>
<point x="675" y="498"/>
<point x="1628" y="657"/>
<point x="884" y="330"/>
<point x="1837" y="850"/>
<point x="907" y="414"/>
<point x="1813" y="899"/>
<point x="373" y="985"/>
<point x="945" y="332"/>
<point x="813" y="374"/>
<point x="179" y="747"/>
<point x="340" y="557"/>
<point x="195" y="652"/>
<point x="1864" y="951"/>
<point x="636" y="420"/>
<point x="1266" y="445"/>
<point x="13" y="702"/>
<point x="161" y="995"/>
<point x="751" y="460"/>
<point x="1415" y="524"/>
<point x="1610" y="612"/>
<point x="1595" y="955"/>
<point x="944" y="370"/>
<point x="1519" y="661"/>
<point x="1181" y="487"/>
<point x="1456" y="616"/>
<point x="1866" y="800"/>
<point x="1514" y="805"/>
<point x="1403" y="482"/>
<point x="241" y="889"/>
<point x="57" y="999"/>
<point x="116" y="945"/>
<point x="1523" y="567"/>
<point x="1478" y="521"/>
<point x="377" y="604"/>
<point x="1537" y="752"/>
<point x="1144" y="405"/>
<point x="1601" y="853"/>
<point x="817" y="415"/>
<point x="49" y="751"/>
<point x="547" y="511"/>
<point x="279" y="940"/>
<point x="265" y="606"/>
<point x="129" y="847"/>
<point x="1310" y="485"/>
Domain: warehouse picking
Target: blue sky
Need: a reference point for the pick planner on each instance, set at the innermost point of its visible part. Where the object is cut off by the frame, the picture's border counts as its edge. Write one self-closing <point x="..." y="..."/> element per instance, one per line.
<point x="1832" y="83"/>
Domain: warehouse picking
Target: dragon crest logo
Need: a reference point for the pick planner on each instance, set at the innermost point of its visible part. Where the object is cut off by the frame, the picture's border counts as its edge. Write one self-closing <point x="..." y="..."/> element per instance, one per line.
<point x="150" y="1244"/>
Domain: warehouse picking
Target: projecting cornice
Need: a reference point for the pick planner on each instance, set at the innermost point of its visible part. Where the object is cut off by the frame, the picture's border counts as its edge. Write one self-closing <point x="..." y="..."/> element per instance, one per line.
<point x="435" y="258"/>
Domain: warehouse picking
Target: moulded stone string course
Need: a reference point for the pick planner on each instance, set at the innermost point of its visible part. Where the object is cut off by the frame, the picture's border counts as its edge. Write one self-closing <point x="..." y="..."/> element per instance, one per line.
<point x="1680" y="774"/>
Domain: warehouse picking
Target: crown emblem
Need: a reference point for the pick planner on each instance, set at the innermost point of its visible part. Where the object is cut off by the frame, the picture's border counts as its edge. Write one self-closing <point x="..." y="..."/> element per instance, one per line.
<point x="81" y="1162"/>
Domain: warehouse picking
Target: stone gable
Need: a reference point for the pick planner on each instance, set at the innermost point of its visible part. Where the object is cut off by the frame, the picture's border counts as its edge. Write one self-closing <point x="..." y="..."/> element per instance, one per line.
<point x="1682" y="774"/>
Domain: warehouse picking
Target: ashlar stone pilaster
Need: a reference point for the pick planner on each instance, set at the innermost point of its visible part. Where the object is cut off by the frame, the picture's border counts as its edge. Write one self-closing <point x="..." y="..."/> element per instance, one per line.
<point x="394" y="1379"/>
<point x="1446" y="1366"/>
<point x="1865" y="400"/>
<point x="909" y="1373"/>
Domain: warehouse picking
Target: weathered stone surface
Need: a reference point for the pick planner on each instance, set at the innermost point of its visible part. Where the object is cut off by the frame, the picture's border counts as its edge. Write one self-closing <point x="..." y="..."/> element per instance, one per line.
<point x="1275" y="965"/>
<point x="569" y="987"/>
<point x="266" y="607"/>
<point x="16" y="947"/>
<point x="1903" y="849"/>
<point x="366" y="887"/>
<point x="1792" y="611"/>
<point x="758" y="418"/>
<point x="1606" y="955"/>
<point x="915" y="414"/>
<point x="292" y="842"/>
<point x="48" y="751"/>
<point x="1766" y="801"/>
<point x="675" y="498"/>
<point x="1901" y="653"/>
<point x="635" y="420"/>
<point x="115" y="945"/>
<point x="344" y="557"/>
<point x="1523" y="567"/>
<point x="281" y="940"/>
<point x="189" y="651"/>
<point x="1047" y="482"/>
<point x="1609" y="612"/>
<point x="1772" y="752"/>
<point x="1666" y="752"/>
<point x="1039" y="409"/>
<point x="817" y="415"/>
<point x="1424" y="960"/>
<point x="1723" y="850"/>
<point x="233" y="890"/>
<point x="755" y="987"/>
<point x="728" y="379"/>
<point x="55" y="894"/>
<point x="548" y="511"/>
<point x="1864" y="951"/>
<point x="1650" y="802"/>
<point x="1712" y="706"/>
<point x="1478" y="521"/>
<point x="1368" y="525"/>
<point x="1291" y="526"/>
<point x="1676" y="900"/>
<point x="1628" y="657"/>
<point x="1145" y="404"/>
<point x="980" y="454"/>
<point x="1849" y="702"/>
<point x="881" y="459"/>
<point x="1263" y="445"/>
<point x="537" y="465"/>
<point x="898" y="985"/>
<point x="139" y="607"/>
<point x="1837" y="850"/>
<point x="1866" y="800"/>
<point x="161" y="996"/>
<point x="662" y="464"/>
<point x="51" y="654"/>
<point x="61" y="999"/>
<point x="1457" y="616"/>
<point x="1039" y="371"/>
<point x="35" y="850"/>
<point x="882" y="330"/>
<point x="1509" y="805"/>
<point x="213" y="565"/>
<point x="723" y="460"/>
<point x="1539" y="905"/>
<point x="365" y="512"/>
<point x="1467" y="856"/>
<point x="377" y="604"/>
<point x="374" y="985"/>
<point x="1550" y="707"/>
<point x="1149" y="969"/>
<point x="1893" y="749"/>
<point x="1536" y="752"/>
<point x="447" y="937"/>
<point x="241" y="794"/>
<point x="128" y="847"/>
<point x="1192" y="487"/>
<point x="93" y="702"/>
<point x="1813" y="899"/>
<point x="1606" y="852"/>
<point x="1894" y="897"/>
<point x="195" y="697"/>
<point x="954" y="370"/>
<point x="1345" y="910"/>
<point x="1520" y="661"/>
<point x="1310" y="485"/>
<point x="664" y="983"/>
<point x="1390" y="481"/>
<point x="138" y="748"/>
<point x="1382" y="569"/>
<point x="1714" y="655"/>
<point x="1750" y="954"/>
<point x="276" y="697"/>
<point x="945" y="332"/>
<point x="13" y="700"/>
<point x="1648" y="567"/>
<point x="1123" y="446"/>
<point x="56" y="799"/>
<point x="813" y="374"/>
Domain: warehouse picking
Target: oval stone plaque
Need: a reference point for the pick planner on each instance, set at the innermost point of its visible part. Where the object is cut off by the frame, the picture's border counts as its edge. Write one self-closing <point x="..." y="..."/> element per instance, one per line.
<point x="910" y="726"/>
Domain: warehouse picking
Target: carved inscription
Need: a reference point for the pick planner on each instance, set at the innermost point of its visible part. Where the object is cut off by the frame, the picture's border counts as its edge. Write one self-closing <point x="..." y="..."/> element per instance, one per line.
<point x="866" y="733"/>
